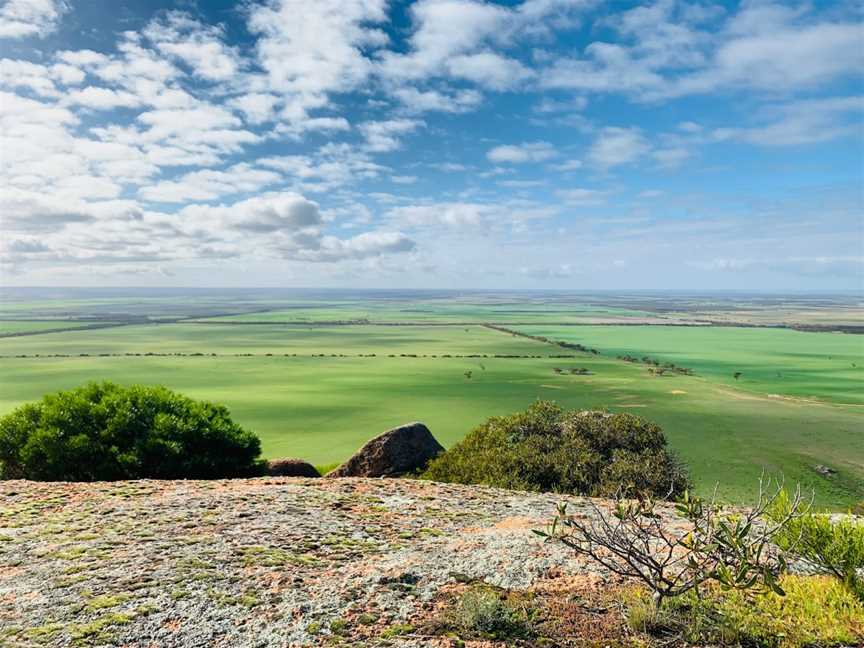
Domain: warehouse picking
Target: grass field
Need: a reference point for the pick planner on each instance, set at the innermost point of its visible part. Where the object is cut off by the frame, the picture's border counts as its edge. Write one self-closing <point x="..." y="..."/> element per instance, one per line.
<point x="440" y="312"/>
<point x="323" y="408"/>
<point x="824" y="366"/>
<point x="263" y="338"/>
<point x="8" y="327"/>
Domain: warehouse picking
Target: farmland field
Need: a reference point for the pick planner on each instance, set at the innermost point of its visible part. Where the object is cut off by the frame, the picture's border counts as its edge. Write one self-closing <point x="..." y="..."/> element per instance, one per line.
<point x="17" y="327"/>
<point x="318" y="391"/>
<point x="822" y="366"/>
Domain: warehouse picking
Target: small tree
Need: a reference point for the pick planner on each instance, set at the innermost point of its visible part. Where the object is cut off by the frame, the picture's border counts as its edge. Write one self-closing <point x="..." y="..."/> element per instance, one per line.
<point x="734" y="549"/>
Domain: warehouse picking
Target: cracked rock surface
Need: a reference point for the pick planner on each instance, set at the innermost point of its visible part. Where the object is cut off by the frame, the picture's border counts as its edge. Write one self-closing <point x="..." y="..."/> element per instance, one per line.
<point x="262" y="562"/>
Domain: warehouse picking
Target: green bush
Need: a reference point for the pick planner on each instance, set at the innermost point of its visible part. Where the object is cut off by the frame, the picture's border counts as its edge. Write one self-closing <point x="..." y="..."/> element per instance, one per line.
<point x="103" y="431"/>
<point x="548" y="449"/>
<point x="835" y="545"/>
<point x="484" y="612"/>
<point x="815" y="611"/>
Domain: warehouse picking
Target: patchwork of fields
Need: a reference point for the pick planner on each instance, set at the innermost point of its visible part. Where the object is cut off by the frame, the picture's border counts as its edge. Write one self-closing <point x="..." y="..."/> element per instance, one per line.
<point x="319" y="391"/>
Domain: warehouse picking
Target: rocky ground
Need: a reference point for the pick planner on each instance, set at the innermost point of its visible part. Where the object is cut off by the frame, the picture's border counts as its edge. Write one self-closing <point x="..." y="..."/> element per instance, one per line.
<point x="271" y="561"/>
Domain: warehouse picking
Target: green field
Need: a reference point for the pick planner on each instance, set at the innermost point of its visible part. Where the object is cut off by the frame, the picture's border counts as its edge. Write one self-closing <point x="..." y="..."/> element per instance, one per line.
<point x="275" y="338"/>
<point x="9" y="327"/>
<point x="821" y="366"/>
<point x="439" y="312"/>
<point x="323" y="408"/>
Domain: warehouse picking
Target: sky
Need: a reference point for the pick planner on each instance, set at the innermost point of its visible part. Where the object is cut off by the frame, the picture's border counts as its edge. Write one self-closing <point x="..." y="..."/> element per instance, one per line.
<point x="572" y="144"/>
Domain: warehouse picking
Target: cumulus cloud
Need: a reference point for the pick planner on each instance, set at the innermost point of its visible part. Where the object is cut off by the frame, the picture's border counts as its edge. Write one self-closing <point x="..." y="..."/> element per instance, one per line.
<point x="25" y="18"/>
<point x="181" y="37"/>
<point x="384" y="136"/>
<point x="96" y="98"/>
<point x="616" y="146"/>
<point x="667" y="50"/>
<point x="317" y="49"/>
<point x="520" y="153"/>
<point x="418" y="101"/>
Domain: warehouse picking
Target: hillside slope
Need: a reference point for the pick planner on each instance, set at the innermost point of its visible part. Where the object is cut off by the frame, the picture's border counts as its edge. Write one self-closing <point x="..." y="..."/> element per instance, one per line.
<point x="264" y="562"/>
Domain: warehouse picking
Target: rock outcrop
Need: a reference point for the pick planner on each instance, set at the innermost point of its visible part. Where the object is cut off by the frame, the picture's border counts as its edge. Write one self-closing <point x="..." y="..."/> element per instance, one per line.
<point x="291" y="468"/>
<point x="262" y="563"/>
<point x="397" y="451"/>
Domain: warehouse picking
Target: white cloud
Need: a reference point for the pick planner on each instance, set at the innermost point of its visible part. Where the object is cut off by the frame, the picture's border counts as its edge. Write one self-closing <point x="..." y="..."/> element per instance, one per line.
<point x="178" y="35"/>
<point x="582" y="197"/>
<point x="96" y="98"/>
<point x="791" y="57"/>
<point x="569" y="165"/>
<point x="363" y="246"/>
<point x="24" y="18"/>
<point x="671" y="157"/>
<point x="209" y="184"/>
<point x="520" y="153"/>
<point x="311" y="51"/>
<point x="24" y="74"/>
<point x="257" y="107"/>
<point x="332" y="166"/>
<point x="461" y="216"/>
<point x="616" y="146"/>
<point x="489" y="69"/>
<point x="443" y="29"/>
<point x="801" y="122"/>
<point x="383" y="136"/>
<point x="418" y="101"/>
<point x="665" y="51"/>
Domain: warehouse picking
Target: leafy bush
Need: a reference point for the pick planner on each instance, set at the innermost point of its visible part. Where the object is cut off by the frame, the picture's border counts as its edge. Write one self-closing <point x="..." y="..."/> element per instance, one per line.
<point x="484" y="612"/>
<point x="546" y="448"/>
<point x="834" y="545"/>
<point x="815" y="611"/>
<point x="103" y="431"/>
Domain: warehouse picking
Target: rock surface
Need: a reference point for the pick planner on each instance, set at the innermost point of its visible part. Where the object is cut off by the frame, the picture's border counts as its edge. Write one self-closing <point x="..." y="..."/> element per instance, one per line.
<point x="291" y="468"/>
<point x="400" y="450"/>
<point x="267" y="562"/>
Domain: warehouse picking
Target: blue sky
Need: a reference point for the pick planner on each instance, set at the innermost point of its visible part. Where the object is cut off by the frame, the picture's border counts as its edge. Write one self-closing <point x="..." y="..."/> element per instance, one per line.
<point x="437" y="143"/>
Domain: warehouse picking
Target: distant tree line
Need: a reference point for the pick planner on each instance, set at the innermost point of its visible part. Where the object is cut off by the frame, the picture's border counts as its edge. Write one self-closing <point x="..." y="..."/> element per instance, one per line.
<point x="657" y="368"/>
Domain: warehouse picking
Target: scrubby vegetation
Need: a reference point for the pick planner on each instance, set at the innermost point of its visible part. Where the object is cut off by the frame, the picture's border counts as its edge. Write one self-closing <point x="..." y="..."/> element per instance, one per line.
<point x="546" y="448"/>
<point x="721" y="578"/>
<point x="103" y="431"/>
<point x="836" y="546"/>
<point x="813" y="612"/>
<point x="485" y="612"/>
<point x="734" y="549"/>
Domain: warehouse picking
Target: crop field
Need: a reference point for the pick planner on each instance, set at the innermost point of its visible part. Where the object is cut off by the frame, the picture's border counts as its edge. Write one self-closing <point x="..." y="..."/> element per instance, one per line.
<point x="319" y="391"/>
<point x="816" y="366"/>
<point x="17" y="327"/>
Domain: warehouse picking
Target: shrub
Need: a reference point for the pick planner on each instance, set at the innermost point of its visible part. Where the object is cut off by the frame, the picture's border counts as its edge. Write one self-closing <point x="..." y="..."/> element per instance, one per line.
<point x="815" y="611"/>
<point x="836" y="546"/>
<point x="729" y="548"/>
<point x="548" y="449"/>
<point x="484" y="612"/>
<point x="103" y="431"/>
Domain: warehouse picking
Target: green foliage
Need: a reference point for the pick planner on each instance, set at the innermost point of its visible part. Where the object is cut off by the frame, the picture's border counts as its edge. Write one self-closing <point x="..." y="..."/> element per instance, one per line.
<point x="485" y="612"/>
<point x="103" y="431"/>
<point x="815" y="611"/>
<point x="546" y="448"/>
<point x="835" y="545"/>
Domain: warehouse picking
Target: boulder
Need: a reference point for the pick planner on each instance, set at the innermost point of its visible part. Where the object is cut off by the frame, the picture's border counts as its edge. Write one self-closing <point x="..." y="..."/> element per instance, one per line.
<point x="400" y="450"/>
<point x="291" y="468"/>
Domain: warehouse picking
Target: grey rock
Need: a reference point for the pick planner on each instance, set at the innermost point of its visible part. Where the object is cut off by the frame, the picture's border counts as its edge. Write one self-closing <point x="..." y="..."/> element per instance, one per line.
<point x="400" y="450"/>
